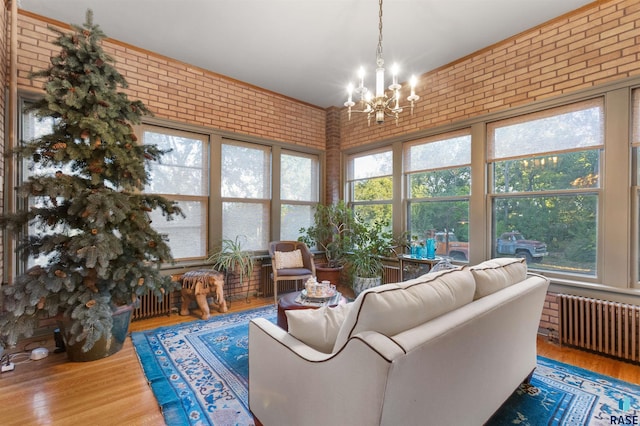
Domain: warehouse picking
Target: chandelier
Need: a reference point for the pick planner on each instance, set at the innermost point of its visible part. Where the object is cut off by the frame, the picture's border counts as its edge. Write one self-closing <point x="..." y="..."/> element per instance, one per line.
<point x="382" y="104"/>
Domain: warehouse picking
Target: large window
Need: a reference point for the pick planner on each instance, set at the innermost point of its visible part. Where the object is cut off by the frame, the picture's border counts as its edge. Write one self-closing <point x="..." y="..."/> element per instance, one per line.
<point x="298" y="193"/>
<point x="438" y="185"/>
<point x="246" y="193"/>
<point x="182" y="175"/>
<point x="33" y="127"/>
<point x="635" y="141"/>
<point x="370" y="183"/>
<point x="545" y="186"/>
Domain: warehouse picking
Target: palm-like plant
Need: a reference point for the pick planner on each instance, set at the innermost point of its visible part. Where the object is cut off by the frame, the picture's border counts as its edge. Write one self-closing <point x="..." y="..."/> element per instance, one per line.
<point x="230" y="257"/>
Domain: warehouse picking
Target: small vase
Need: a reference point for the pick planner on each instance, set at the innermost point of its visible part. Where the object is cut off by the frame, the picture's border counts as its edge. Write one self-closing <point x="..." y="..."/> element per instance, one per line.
<point x="431" y="248"/>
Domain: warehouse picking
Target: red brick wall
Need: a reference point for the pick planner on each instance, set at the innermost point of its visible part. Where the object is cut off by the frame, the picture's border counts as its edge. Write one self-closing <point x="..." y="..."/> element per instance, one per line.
<point x="550" y="319"/>
<point x="594" y="45"/>
<point x="333" y="164"/>
<point x="4" y="72"/>
<point x="183" y="93"/>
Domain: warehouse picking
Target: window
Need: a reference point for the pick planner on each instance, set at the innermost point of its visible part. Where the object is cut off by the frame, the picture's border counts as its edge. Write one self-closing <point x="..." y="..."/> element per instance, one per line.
<point x="438" y="182"/>
<point x="246" y="193"/>
<point x="370" y="183"/>
<point x="545" y="186"/>
<point x="181" y="175"/>
<point x="635" y="141"/>
<point x="31" y="128"/>
<point x="298" y="193"/>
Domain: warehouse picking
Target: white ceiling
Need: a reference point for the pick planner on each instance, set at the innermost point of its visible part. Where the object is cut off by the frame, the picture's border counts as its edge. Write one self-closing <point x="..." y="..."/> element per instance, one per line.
<point x="308" y="49"/>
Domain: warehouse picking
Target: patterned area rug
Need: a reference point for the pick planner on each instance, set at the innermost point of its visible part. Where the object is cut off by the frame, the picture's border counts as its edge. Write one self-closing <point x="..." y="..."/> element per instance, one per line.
<point x="561" y="394"/>
<point x="198" y="372"/>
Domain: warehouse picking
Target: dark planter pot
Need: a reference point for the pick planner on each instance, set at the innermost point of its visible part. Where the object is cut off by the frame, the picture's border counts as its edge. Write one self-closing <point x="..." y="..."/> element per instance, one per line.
<point x="103" y="347"/>
<point x="325" y="273"/>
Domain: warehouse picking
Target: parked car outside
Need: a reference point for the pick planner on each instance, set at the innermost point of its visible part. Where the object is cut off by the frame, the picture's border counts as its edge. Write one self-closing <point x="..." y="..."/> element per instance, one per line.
<point x="514" y="244"/>
<point x="448" y="245"/>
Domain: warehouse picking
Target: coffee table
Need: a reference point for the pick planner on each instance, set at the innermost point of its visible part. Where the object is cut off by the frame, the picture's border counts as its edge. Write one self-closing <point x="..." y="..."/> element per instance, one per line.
<point x="288" y="302"/>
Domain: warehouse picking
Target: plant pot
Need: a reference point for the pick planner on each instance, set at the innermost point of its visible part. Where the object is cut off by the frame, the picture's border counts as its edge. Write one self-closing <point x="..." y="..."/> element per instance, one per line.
<point x="326" y="273"/>
<point x="103" y="347"/>
<point x="361" y="284"/>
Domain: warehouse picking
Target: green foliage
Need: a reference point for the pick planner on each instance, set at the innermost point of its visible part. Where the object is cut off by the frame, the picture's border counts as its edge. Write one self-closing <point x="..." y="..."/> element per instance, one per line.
<point x="230" y="257"/>
<point x="90" y="235"/>
<point x="332" y="231"/>
<point x="371" y="243"/>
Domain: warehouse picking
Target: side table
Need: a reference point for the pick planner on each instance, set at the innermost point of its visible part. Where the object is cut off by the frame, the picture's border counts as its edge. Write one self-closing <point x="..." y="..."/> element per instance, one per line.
<point x="288" y="302"/>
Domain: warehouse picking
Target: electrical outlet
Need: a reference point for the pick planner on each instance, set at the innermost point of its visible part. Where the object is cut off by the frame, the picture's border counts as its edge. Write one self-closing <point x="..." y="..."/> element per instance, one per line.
<point x="8" y="367"/>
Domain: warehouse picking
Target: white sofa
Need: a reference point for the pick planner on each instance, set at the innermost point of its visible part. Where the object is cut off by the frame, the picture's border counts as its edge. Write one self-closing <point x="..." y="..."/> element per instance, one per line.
<point x="444" y="348"/>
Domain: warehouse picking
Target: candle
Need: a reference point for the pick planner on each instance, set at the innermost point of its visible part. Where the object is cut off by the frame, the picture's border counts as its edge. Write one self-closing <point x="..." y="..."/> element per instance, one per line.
<point x="379" y="82"/>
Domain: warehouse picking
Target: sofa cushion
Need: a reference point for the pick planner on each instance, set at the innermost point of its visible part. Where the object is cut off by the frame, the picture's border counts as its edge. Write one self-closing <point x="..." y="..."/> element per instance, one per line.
<point x="289" y="259"/>
<point x="496" y="274"/>
<point x="392" y="308"/>
<point x="317" y="328"/>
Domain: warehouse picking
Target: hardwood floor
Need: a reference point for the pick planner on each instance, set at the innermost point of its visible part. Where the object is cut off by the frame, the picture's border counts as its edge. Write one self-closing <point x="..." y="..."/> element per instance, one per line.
<point x="114" y="391"/>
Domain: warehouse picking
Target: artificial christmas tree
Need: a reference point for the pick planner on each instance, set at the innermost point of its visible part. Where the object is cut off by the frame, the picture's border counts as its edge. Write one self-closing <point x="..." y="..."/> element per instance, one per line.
<point x="90" y="233"/>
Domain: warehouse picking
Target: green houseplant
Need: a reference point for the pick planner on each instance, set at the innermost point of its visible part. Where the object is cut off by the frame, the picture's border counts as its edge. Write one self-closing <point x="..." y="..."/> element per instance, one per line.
<point x="331" y="232"/>
<point x="91" y="244"/>
<point x="371" y="242"/>
<point x="230" y="257"/>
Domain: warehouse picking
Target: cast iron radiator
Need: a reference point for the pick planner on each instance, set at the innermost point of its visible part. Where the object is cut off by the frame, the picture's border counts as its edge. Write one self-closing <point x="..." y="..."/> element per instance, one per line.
<point x="266" y="283"/>
<point x="151" y="306"/>
<point x="609" y="328"/>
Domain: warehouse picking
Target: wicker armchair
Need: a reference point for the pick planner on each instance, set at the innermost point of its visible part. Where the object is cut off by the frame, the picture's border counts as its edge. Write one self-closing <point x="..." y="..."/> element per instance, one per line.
<point x="288" y="265"/>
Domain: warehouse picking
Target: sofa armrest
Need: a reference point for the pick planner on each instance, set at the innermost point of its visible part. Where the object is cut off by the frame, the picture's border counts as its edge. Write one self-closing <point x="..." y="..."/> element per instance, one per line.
<point x="291" y="383"/>
<point x="282" y="337"/>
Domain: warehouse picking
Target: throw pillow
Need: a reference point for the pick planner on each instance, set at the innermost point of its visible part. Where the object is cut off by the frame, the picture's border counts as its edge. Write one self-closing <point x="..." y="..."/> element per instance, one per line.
<point x="317" y="328"/>
<point x="496" y="274"/>
<point x="289" y="259"/>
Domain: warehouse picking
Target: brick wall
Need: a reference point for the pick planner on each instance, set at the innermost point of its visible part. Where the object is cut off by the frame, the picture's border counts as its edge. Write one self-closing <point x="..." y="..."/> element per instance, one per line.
<point x="550" y="319"/>
<point x="333" y="165"/>
<point x="183" y="93"/>
<point x="595" y="45"/>
<point x="4" y="72"/>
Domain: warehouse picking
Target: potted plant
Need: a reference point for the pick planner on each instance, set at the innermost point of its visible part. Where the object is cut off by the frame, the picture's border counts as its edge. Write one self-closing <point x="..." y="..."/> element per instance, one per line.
<point x="370" y="244"/>
<point x="332" y="233"/>
<point x="92" y="248"/>
<point x="231" y="258"/>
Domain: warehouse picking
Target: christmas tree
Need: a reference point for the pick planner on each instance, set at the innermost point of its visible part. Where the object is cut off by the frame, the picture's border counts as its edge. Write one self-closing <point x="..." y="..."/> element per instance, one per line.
<point x="90" y="227"/>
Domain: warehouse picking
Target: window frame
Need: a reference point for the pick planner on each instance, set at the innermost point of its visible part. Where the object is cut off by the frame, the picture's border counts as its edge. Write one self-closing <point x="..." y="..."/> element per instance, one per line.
<point x="493" y="195"/>
<point x="352" y="181"/>
<point x="408" y="172"/>
<point x="202" y="199"/>
<point x="312" y="200"/>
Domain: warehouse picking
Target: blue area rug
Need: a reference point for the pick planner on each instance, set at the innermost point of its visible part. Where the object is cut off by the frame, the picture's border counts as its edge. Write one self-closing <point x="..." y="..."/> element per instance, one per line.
<point x="198" y="372"/>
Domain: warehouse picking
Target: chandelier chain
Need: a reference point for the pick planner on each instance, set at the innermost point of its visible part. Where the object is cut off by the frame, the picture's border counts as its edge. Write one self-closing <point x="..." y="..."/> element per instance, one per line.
<point x="379" y="50"/>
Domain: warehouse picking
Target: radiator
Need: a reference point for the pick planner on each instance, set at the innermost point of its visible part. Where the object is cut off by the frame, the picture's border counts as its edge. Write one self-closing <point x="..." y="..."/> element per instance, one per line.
<point x="150" y="306"/>
<point x="601" y="326"/>
<point x="390" y="274"/>
<point x="266" y="283"/>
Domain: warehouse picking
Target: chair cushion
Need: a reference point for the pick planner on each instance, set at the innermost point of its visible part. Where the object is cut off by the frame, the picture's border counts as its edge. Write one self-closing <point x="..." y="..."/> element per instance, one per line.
<point x="317" y="328"/>
<point x="288" y="259"/>
<point x="392" y="308"/>
<point x="293" y="272"/>
<point x="496" y="274"/>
